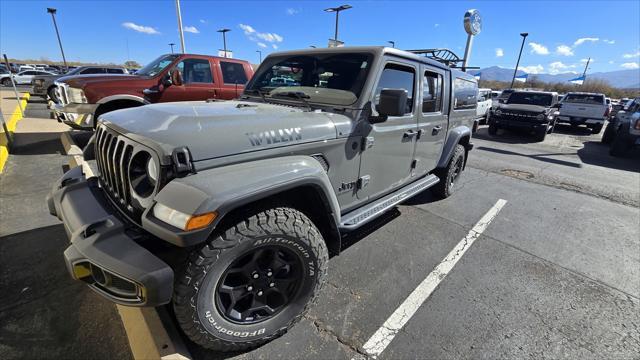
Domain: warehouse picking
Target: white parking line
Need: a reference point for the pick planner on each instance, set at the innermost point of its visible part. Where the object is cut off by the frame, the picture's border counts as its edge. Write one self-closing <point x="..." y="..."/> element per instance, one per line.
<point x="385" y="334"/>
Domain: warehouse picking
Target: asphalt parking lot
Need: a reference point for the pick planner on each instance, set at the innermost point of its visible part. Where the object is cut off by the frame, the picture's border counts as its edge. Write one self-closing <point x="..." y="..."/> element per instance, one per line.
<point x="556" y="274"/>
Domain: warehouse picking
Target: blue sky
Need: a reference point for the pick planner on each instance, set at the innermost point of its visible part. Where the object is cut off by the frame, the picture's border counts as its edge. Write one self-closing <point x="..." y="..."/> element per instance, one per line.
<point x="562" y="33"/>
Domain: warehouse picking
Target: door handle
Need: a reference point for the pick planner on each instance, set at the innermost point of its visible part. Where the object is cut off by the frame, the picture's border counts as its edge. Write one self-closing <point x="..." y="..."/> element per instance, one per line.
<point x="150" y="91"/>
<point x="410" y="134"/>
<point x="436" y="130"/>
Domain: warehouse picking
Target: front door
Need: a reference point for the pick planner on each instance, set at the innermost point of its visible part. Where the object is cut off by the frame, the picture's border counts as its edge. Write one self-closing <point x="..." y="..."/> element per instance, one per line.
<point x="198" y="82"/>
<point x="387" y="160"/>
<point x="432" y="119"/>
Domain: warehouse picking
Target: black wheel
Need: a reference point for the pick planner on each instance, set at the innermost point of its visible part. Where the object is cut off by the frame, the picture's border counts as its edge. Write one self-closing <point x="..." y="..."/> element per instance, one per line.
<point x="450" y="175"/>
<point x="541" y="133"/>
<point x="608" y="135"/>
<point x="251" y="283"/>
<point x="6" y="82"/>
<point x="596" y="129"/>
<point x="622" y="142"/>
<point x="493" y="128"/>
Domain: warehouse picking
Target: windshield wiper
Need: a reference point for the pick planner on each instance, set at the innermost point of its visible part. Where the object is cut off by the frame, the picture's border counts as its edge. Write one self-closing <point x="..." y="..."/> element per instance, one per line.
<point x="259" y="92"/>
<point x="295" y="94"/>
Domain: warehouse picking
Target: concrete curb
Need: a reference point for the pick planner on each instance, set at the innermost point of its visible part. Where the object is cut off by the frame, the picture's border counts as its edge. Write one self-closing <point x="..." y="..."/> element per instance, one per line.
<point x="69" y="145"/>
<point x="150" y="332"/>
<point x="16" y="115"/>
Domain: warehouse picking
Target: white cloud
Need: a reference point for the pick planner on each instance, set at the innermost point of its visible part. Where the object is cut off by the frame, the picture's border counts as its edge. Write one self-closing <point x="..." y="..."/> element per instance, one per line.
<point x="564" y="50"/>
<point x="533" y="69"/>
<point x="270" y="37"/>
<point x="538" y="49"/>
<point x="611" y="61"/>
<point x="140" y="28"/>
<point x="630" y="65"/>
<point x="274" y="46"/>
<point x="583" y="40"/>
<point x="436" y="25"/>
<point x="499" y="52"/>
<point x="557" y="67"/>
<point x="247" y="29"/>
<point x="262" y="45"/>
<point x="629" y="56"/>
<point x="203" y="21"/>
<point x="610" y="42"/>
<point x="191" y="29"/>
<point x="584" y="61"/>
<point x="292" y="11"/>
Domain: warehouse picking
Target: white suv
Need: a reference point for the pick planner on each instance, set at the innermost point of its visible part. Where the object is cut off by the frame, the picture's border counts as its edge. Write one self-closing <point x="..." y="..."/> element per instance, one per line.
<point x="484" y="105"/>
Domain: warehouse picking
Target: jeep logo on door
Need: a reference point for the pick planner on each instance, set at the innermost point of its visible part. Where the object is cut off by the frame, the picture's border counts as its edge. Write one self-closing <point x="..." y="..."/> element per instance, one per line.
<point x="275" y="136"/>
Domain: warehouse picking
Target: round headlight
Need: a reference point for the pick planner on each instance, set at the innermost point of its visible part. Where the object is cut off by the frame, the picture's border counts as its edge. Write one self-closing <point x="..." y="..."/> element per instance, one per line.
<point x="540" y="117"/>
<point x="498" y="112"/>
<point x="152" y="170"/>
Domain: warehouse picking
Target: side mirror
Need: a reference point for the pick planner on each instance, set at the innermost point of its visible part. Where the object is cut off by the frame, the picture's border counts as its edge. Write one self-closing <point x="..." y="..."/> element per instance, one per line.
<point x="166" y="80"/>
<point x="393" y="102"/>
<point x="176" y="77"/>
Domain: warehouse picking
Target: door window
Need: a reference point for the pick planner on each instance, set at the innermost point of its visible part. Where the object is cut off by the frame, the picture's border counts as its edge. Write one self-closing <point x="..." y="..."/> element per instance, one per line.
<point x="397" y="77"/>
<point x="92" y="71"/>
<point x="233" y="73"/>
<point x="466" y="94"/>
<point x="114" y="71"/>
<point x="431" y="92"/>
<point x="195" y="71"/>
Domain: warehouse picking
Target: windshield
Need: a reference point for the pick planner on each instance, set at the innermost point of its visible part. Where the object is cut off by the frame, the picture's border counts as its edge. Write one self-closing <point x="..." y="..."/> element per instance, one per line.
<point x="74" y="71"/>
<point x="322" y="78"/>
<point x="157" y="65"/>
<point x="530" y="99"/>
<point x="505" y="94"/>
<point x="584" y="99"/>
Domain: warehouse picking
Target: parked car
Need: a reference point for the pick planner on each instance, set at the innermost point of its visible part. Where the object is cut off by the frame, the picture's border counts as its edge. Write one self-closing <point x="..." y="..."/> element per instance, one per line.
<point x="172" y="77"/>
<point x="535" y="111"/>
<point x="249" y="197"/>
<point x="44" y="85"/>
<point x="484" y="105"/>
<point x="623" y="131"/>
<point x="504" y="96"/>
<point x="581" y="108"/>
<point x="21" y="78"/>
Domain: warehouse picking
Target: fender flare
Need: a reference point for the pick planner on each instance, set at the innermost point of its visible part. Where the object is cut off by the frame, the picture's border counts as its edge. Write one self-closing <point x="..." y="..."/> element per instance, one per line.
<point x="109" y="98"/>
<point x="227" y="188"/>
<point x="453" y="139"/>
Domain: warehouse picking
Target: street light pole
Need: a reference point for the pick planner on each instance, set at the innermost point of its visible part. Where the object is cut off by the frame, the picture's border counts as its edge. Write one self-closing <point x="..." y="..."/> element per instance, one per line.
<point x="260" y="53"/>
<point x="524" y="37"/>
<point x="393" y="43"/>
<point x="171" y="44"/>
<point x="337" y="11"/>
<point x="53" y="11"/>
<point x="224" y="39"/>
<point x="179" y="14"/>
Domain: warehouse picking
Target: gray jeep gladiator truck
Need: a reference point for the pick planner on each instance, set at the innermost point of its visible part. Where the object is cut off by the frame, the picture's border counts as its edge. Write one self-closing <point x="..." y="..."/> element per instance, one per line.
<point x="229" y="210"/>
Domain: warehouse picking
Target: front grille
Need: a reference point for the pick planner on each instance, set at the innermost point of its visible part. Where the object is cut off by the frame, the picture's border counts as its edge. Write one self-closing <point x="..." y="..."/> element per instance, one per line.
<point x="61" y="93"/>
<point x="519" y="115"/>
<point x="113" y="156"/>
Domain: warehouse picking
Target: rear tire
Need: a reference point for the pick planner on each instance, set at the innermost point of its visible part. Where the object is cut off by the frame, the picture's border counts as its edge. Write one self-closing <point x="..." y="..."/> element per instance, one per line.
<point x="596" y="129"/>
<point x="608" y="135"/>
<point x="223" y="298"/>
<point x="541" y="133"/>
<point x="6" y="82"/>
<point x="622" y="142"/>
<point x="493" y="128"/>
<point x="450" y="175"/>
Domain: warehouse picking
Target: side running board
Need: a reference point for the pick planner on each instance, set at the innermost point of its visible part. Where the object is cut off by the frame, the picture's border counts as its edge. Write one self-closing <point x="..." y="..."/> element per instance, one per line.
<point x="369" y="212"/>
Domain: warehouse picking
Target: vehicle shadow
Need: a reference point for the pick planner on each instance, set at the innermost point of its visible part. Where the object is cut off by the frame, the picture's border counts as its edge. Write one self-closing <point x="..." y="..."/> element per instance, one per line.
<point x="37" y="101"/>
<point x="541" y="157"/>
<point x="37" y="143"/>
<point x="597" y="153"/>
<point x="566" y="129"/>
<point x="511" y="136"/>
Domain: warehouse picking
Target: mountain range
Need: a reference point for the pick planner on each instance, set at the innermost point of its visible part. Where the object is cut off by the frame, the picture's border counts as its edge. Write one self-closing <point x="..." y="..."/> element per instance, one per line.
<point x="623" y="79"/>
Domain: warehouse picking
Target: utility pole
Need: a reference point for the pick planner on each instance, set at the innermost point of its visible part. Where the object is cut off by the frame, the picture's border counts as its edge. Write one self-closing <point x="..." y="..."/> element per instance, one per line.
<point x="171" y="44"/>
<point x="337" y="11"/>
<point x="180" y="26"/>
<point x="260" y="53"/>
<point x="53" y="11"/>
<point x="524" y="37"/>
<point x="224" y="39"/>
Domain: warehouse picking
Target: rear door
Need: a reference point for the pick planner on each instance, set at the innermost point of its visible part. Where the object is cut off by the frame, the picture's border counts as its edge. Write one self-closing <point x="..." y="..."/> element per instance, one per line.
<point x="234" y="76"/>
<point x="198" y="81"/>
<point x="386" y="163"/>
<point x="432" y="119"/>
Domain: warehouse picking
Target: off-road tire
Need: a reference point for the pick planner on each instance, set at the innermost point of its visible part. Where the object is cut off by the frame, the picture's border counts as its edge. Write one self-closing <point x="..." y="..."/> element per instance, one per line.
<point x="596" y="129"/>
<point x="622" y="142"/>
<point x="194" y="304"/>
<point x="448" y="176"/>
<point x="6" y="82"/>
<point x="493" y="128"/>
<point x="541" y="133"/>
<point x="608" y="134"/>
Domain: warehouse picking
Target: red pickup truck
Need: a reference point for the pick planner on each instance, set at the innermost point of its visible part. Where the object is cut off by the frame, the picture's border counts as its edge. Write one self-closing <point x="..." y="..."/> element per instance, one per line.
<point x="172" y="77"/>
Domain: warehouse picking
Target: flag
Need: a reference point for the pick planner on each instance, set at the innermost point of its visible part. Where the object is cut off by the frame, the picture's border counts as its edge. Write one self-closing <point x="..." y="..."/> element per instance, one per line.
<point x="522" y="78"/>
<point x="578" y="80"/>
<point x="477" y="76"/>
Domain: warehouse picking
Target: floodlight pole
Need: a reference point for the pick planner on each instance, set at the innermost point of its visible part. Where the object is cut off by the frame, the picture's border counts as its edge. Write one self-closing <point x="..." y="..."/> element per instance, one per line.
<point x="224" y="39"/>
<point x="393" y="43"/>
<point x="524" y="37"/>
<point x="171" y="44"/>
<point x="337" y="11"/>
<point x="179" y="14"/>
<point x="260" y="53"/>
<point x="53" y="11"/>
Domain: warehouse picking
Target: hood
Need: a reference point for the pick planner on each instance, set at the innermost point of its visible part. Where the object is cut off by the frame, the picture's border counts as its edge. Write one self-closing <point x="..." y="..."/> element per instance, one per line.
<point x="217" y="129"/>
<point x="80" y="81"/>
<point x="524" y="107"/>
<point x="48" y="77"/>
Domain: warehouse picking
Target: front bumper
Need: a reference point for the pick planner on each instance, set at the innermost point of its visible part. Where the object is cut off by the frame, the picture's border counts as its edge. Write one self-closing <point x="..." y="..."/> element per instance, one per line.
<point x="520" y="124"/>
<point x="102" y="252"/>
<point x="75" y="115"/>
<point x="578" y="120"/>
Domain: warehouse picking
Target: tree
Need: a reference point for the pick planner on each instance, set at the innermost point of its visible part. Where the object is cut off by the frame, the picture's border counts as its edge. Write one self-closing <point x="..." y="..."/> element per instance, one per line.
<point x="130" y="64"/>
